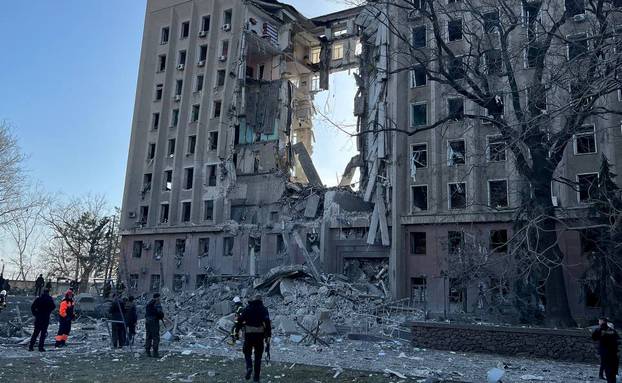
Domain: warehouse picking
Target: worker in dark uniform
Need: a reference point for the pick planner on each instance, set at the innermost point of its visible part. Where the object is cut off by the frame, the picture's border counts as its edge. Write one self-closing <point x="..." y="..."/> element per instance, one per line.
<point x="255" y="320"/>
<point x="153" y="315"/>
<point x="117" y="316"/>
<point x="41" y="308"/>
<point x="65" y="317"/>
<point x="39" y="283"/>
<point x="2" y="299"/>
<point x="608" y="341"/>
<point x="131" y="318"/>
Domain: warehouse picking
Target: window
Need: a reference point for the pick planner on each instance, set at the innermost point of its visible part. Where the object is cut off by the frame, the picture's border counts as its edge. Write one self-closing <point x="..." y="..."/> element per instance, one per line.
<point x="185" y="30"/>
<point x="205" y="21"/>
<point x="418" y="114"/>
<point x="192" y="144"/>
<point x="419" y="37"/>
<point x="493" y="61"/>
<point x="456" y="291"/>
<point x="133" y="281"/>
<point x="585" y="140"/>
<point x="534" y="55"/>
<point x="164" y="212"/>
<point x="577" y="46"/>
<point x="419" y="155"/>
<point x="495" y="108"/>
<point x="179" y="86"/>
<point x="208" y="210"/>
<point x="158" y="248"/>
<point x="499" y="241"/>
<point x="281" y="248"/>
<point x="575" y="7"/>
<point x="151" y="151"/>
<point x="171" y="147"/>
<point x="455" y="108"/>
<point x="203" y="247"/>
<point x="495" y="150"/>
<point x="194" y="116"/>
<point x="588" y="184"/>
<point x="455" y="242"/>
<point x="498" y="194"/>
<point x="315" y="55"/>
<point x="202" y="53"/>
<point x="224" y="50"/>
<point x="340" y="31"/>
<point x="147" y="178"/>
<point x="220" y="77"/>
<point x="337" y="51"/>
<point x="155" y="121"/>
<point x="168" y="180"/>
<point x="454" y="30"/>
<point x="227" y="249"/>
<point x="457" y="195"/>
<point x="456" y="153"/>
<point x="315" y="83"/>
<point x="174" y="118"/>
<point x="418" y="76"/>
<point x="201" y="281"/>
<point x="181" y="58"/>
<point x="144" y="214"/>
<point x="531" y="9"/>
<point x="180" y="247"/>
<point x="211" y="175"/>
<point x="217" y="108"/>
<point x="417" y="240"/>
<point x="158" y="92"/>
<point x="418" y="290"/>
<point x="491" y="21"/>
<point x="227" y="17"/>
<point x="186" y="211"/>
<point x="198" y="87"/>
<point x="164" y="35"/>
<point x="419" y="198"/>
<point x="188" y="178"/>
<point x="212" y="141"/>
<point x="536" y="98"/>
<point x="178" y="282"/>
<point x="161" y="63"/>
<point x="137" y="249"/>
<point x="455" y="68"/>
<point x="154" y="283"/>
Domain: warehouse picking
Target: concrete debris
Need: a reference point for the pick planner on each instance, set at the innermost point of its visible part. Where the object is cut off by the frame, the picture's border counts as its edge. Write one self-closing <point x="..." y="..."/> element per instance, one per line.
<point x="494" y="375"/>
<point x="532" y="377"/>
<point x="307" y="165"/>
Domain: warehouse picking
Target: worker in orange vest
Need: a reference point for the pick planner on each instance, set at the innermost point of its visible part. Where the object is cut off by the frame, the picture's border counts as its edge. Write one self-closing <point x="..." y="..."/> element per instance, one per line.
<point x="65" y="316"/>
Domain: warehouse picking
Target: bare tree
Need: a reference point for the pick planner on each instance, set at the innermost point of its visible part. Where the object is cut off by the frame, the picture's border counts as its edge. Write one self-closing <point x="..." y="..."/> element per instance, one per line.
<point x="12" y="177"/>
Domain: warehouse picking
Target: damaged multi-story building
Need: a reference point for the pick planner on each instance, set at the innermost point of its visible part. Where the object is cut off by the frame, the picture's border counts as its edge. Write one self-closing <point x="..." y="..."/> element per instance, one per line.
<point x="220" y="180"/>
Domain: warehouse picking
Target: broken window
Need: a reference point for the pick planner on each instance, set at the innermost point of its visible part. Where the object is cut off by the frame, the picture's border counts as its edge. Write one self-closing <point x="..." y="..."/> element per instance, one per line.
<point x="456" y="153"/>
<point x="155" y="121"/>
<point x="577" y="45"/>
<point x="419" y="114"/>
<point x="180" y="247"/>
<point x="147" y="178"/>
<point x="455" y="69"/>
<point x="585" y="140"/>
<point x="171" y="147"/>
<point x="220" y="77"/>
<point x="456" y="291"/>
<point x="224" y="50"/>
<point x="491" y="21"/>
<point x="211" y="175"/>
<point x="158" y="249"/>
<point x="537" y="98"/>
<point x="144" y="214"/>
<point x="151" y="151"/>
<point x="179" y="86"/>
<point x="420" y="198"/>
<point x="417" y="241"/>
<point x="496" y="149"/>
<point x="194" y="116"/>
<point x="455" y="108"/>
<point x="164" y="35"/>
<point x="217" y="108"/>
<point x="227" y="17"/>
<point x="457" y="195"/>
<point x="531" y="10"/>
<point x="454" y="30"/>
<point x="575" y="7"/>
<point x="188" y="178"/>
<point x="161" y="63"/>
<point x="164" y="211"/>
<point x="205" y="21"/>
<point x="534" y="54"/>
<point x="340" y="30"/>
<point x="178" y="282"/>
<point x="315" y="83"/>
<point x="493" y="61"/>
<point x="186" y="211"/>
<point x="315" y="55"/>
<point x="192" y="144"/>
<point x="280" y="244"/>
<point x="498" y="194"/>
<point x="208" y="210"/>
<point x="184" y="30"/>
<point x="337" y="51"/>
<point x="419" y="37"/>
<point x="154" y="283"/>
<point x="591" y="290"/>
<point x="420" y="155"/>
<point x="227" y="249"/>
<point x="133" y="281"/>
<point x="455" y="242"/>
<point x="202" y="54"/>
<point x="168" y="180"/>
<point x="499" y="241"/>
<point x="158" y="92"/>
<point x="174" y="118"/>
<point x="204" y="247"/>
<point x="213" y="141"/>
<point x="588" y="184"/>
<point x="201" y="281"/>
<point x="418" y="290"/>
<point x="137" y="249"/>
<point x="181" y="58"/>
<point x="418" y="76"/>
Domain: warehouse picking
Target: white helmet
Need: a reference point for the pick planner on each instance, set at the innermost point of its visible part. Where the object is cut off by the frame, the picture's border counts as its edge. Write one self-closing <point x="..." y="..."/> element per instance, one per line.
<point x="3" y="292"/>
<point x="237" y="300"/>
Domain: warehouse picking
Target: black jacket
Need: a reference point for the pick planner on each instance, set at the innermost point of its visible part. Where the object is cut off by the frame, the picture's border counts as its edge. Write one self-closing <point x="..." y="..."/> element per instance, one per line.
<point x="39" y="282"/>
<point x="131" y="316"/>
<point x="153" y="311"/>
<point x="116" y="308"/>
<point x="42" y="307"/>
<point x="607" y="339"/>
<point x="255" y="315"/>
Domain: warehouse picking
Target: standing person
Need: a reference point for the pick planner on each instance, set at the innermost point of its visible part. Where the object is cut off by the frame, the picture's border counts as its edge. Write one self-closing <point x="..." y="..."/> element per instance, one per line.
<point x="153" y="315"/>
<point x="607" y="339"/>
<point x="2" y="299"/>
<point x="65" y="316"/>
<point x="39" y="283"/>
<point x="116" y="314"/>
<point x="41" y="308"/>
<point x="131" y="318"/>
<point x="1" y="282"/>
<point x="255" y="320"/>
<point x="48" y="286"/>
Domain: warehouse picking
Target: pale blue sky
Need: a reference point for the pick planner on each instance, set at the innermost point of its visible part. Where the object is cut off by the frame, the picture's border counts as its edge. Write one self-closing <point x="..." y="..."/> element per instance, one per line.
<point x="68" y="78"/>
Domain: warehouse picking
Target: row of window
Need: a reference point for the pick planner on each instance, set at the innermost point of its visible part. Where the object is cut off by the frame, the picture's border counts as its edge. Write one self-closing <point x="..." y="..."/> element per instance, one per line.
<point x="179" y="281"/>
<point x="195" y="113"/>
<point x="184" y="27"/>
<point x="182" y="55"/>
<point x="190" y="146"/>
<point x="418" y="244"/>
<point x="203" y="249"/>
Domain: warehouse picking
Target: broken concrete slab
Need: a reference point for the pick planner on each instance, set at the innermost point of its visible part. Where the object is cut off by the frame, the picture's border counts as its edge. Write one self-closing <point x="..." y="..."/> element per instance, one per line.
<point x="307" y="165"/>
<point x="351" y="167"/>
<point x="287" y="271"/>
<point x="311" y="207"/>
<point x="223" y="308"/>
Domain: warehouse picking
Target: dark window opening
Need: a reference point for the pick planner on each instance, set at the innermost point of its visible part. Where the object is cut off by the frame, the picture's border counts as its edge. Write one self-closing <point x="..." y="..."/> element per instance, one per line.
<point x="180" y="247"/>
<point x="154" y="283"/>
<point x="496" y="149"/>
<point x="455" y="242"/>
<point x="203" y="53"/>
<point x="280" y="244"/>
<point x="228" y="247"/>
<point x="161" y="63"/>
<point x="585" y="140"/>
<point x="174" y="118"/>
<point x="188" y="178"/>
<point x="498" y="194"/>
<point x="491" y="21"/>
<point x="456" y="153"/>
<point x="588" y="185"/>
<point x="419" y="38"/>
<point x="575" y="7"/>
<point x="179" y="86"/>
<point x="185" y="29"/>
<point x="217" y="108"/>
<point x="164" y="35"/>
<point x="201" y="281"/>
<point x="457" y="195"/>
<point x="420" y="198"/>
<point x="168" y="180"/>
<point x="455" y="108"/>
<point x="213" y="141"/>
<point x="158" y="92"/>
<point x="418" y="290"/>
<point x="211" y="175"/>
<point x="419" y="76"/>
<point x="499" y="241"/>
<point x="419" y="114"/>
<point x="208" y="213"/>
<point x="205" y="21"/>
<point x="456" y="291"/>
<point x="158" y="249"/>
<point x="164" y="211"/>
<point x="454" y="30"/>
<point x="200" y="81"/>
<point x="178" y="282"/>
<point x="186" y="211"/>
<point x="144" y="214"/>
<point x="151" y="151"/>
<point x="155" y="121"/>
<point x="417" y="242"/>
<point x="493" y="61"/>
<point x="192" y="144"/>
<point x="577" y="46"/>
<point x="137" y="249"/>
<point x="196" y="110"/>
<point x="133" y="281"/>
<point x="171" y="147"/>
<point x="420" y="155"/>
<point x="456" y="69"/>
<point x="204" y="247"/>
<point x="220" y="77"/>
<point x="182" y="58"/>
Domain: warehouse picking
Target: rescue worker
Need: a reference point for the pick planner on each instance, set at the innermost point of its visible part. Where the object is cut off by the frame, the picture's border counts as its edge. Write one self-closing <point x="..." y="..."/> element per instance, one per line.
<point x="238" y="307"/>
<point x="255" y="320"/>
<point x="607" y="339"/>
<point x="116" y="314"/>
<point x="48" y="286"/>
<point x="41" y="309"/>
<point x="2" y="280"/>
<point x="131" y="318"/>
<point x="153" y="315"/>
<point x="39" y="283"/>
<point x="2" y="299"/>
<point x="65" y="316"/>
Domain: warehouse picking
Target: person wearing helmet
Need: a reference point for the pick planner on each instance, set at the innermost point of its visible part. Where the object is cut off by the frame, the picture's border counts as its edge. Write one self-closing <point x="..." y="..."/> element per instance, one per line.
<point x="2" y="299"/>
<point x="41" y="309"/>
<point x="255" y="320"/>
<point x="65" y="316"/>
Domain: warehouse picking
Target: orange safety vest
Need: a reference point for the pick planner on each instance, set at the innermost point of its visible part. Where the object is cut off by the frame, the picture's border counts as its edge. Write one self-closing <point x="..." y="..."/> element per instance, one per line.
<point x="65" y="306"/>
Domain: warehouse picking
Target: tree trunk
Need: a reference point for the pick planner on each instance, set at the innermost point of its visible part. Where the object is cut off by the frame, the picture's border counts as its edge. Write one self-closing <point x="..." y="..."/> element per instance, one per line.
<point x="84" y="278"/>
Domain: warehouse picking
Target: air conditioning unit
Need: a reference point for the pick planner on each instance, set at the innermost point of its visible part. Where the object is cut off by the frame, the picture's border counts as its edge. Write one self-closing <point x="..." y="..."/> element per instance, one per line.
<point x="180" y="67"/>
<point x="201" y="63"/>
<point x="226" y="27"/>
<point x="222" y="58"/>
<point x="177" y="97"/>
<point x="131" y="214"/>
<point x="579" y="18"/>
<point x="202" y="33"/>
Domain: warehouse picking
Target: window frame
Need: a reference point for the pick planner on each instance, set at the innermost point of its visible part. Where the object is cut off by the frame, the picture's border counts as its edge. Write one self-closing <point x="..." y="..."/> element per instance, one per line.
<point x="449" y="22"/>
<point x="466" y="200"/>
<point x="578" y="192"/>
<point x="412" y="114"/>
<point x="413" y="250"/>
<point x="488" y="152"/>
<point x="412" y="198"/>
<point x="507" y="193"/>
<point x="412" y="147"/>
<point x="578" y="135"/>
<point x="413" y="76"/>
<point x="465" y="152"/>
